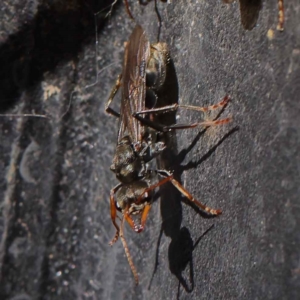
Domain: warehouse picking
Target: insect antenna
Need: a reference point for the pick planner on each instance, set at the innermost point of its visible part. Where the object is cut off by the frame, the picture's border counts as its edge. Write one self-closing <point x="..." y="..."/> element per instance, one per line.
<point x="129" y="258"/>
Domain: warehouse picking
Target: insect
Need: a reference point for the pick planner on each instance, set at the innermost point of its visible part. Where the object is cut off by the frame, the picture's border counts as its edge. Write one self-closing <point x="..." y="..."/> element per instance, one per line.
<point x="144" y="72"/>
<point x="280" y="13"/>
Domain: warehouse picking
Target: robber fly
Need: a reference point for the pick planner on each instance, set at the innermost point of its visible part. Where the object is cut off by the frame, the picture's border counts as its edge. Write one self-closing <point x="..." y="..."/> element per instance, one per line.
<point x="144" y="72"/>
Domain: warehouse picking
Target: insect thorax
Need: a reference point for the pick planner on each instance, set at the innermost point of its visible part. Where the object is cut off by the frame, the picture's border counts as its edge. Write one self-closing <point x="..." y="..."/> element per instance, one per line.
<point x="127" y="165"/>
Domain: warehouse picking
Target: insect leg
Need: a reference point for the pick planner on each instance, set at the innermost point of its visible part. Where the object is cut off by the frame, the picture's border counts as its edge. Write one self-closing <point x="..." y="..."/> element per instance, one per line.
<point x="149" y="123"/>
<point x="128" y="10"/>
<point x="169" y="177"/>
<point x="175" y="106"/>
<point x="222" y="103"/>
<point x="113" y="214"/>
<point x="183" y="191"/>
<point x="169" y="108"/>
<point x="154" y="186"/>
<point x="163" y="128"/>
<point x="129" y="220"/>
<point x="280" y="15"/>
<point x="144" y="216"/>
<point x="139" y="228"/>
<point x="129" y="258"/>
<point x="115" y="89"/>
<point x="193" y="125"/>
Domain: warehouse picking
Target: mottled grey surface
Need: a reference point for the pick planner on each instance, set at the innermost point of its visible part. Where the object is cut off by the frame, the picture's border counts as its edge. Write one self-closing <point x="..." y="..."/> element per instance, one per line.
<point x="54" y="173"/>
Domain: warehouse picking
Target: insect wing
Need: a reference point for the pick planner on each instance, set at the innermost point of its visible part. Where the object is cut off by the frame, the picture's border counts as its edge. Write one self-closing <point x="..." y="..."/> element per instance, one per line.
<point x="137" y="52"/>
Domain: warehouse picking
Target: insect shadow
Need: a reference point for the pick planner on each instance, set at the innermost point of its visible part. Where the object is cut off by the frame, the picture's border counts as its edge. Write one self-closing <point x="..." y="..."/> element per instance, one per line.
<point x="249" y="10"/>
<point x="180" y="252"/>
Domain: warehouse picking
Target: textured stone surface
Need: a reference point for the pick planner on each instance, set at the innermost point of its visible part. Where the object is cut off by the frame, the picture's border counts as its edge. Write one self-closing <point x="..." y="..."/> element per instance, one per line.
<point x="54" y="173"/>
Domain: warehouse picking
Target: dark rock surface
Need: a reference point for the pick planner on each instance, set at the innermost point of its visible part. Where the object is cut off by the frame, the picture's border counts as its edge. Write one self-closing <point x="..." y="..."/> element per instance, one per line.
<point x="54" y="172"/>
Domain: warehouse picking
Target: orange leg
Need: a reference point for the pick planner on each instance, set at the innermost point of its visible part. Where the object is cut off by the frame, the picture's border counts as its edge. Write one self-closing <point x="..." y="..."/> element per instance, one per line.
<point x="183" y="191"/>
<point x="192" y="199"/>
<point x="153" y="187"/>
<point x="129" y="220"/>
<point x="128" y="10"/>
<point x="113" y="214"/>
<point x="138" y="228"/>
<point x="174" y="107"/>
<point x="280" y="15"/>
<point x="204" y="123"/>
<point x="222" y="103"/>
<point x="144" y="216"/>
